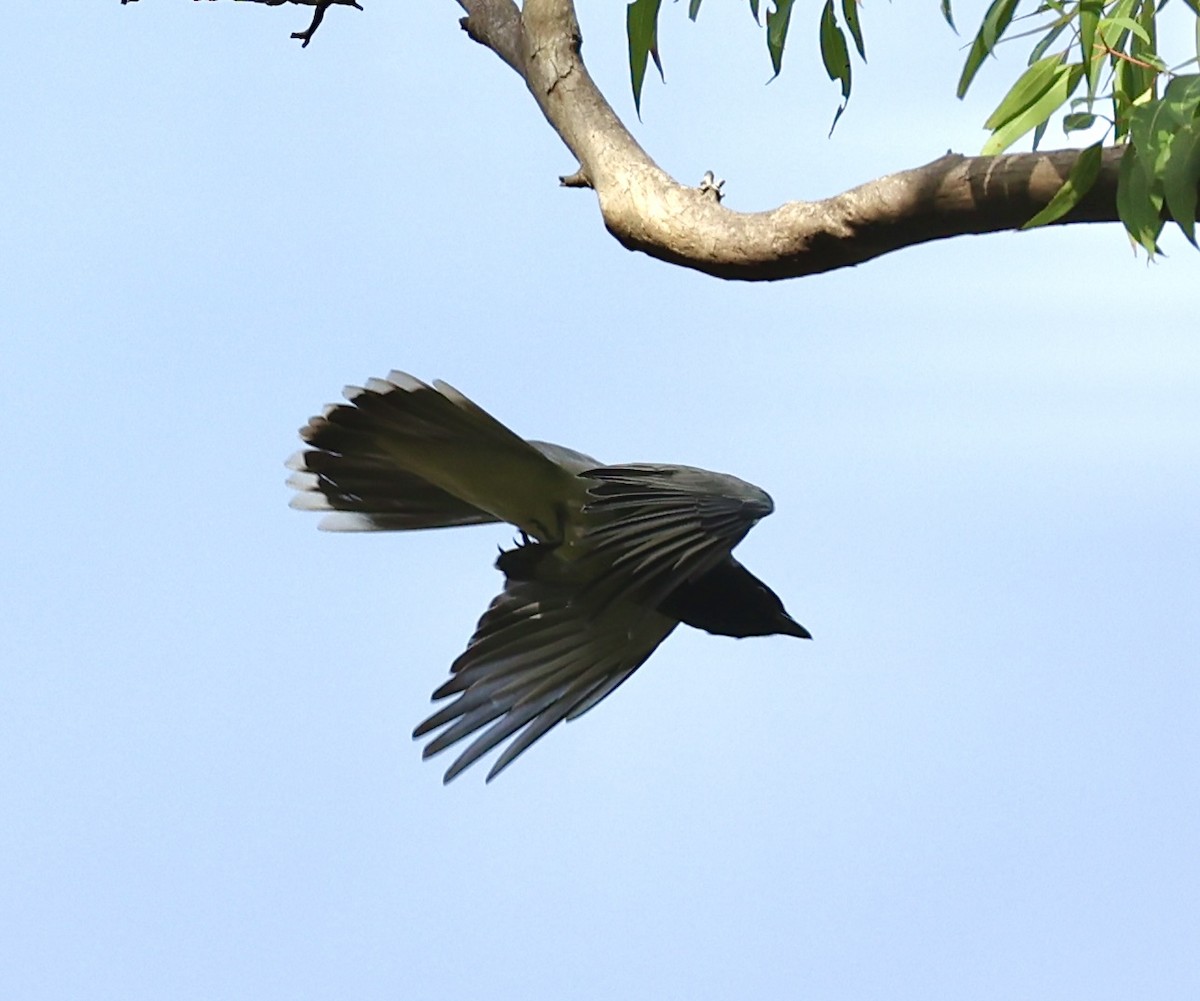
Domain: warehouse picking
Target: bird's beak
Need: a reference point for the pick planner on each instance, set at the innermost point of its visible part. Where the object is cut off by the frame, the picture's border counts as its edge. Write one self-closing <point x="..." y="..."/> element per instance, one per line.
<point x="790" y="627"/>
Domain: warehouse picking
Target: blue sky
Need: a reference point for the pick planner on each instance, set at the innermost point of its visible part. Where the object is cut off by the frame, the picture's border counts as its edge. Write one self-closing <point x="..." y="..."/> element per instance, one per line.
<point x="978" y="781"/>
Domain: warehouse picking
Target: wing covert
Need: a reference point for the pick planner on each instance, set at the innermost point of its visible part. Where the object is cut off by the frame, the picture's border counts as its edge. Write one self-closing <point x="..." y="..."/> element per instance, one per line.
<point x="652" y="528"/>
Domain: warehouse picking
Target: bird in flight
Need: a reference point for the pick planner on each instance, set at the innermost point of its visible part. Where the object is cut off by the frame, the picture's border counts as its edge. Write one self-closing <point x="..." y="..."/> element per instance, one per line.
<point x="609" y="561"/>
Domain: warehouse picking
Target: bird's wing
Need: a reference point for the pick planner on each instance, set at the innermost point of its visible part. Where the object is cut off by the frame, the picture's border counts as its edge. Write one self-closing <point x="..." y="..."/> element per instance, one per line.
<point x="403" y="454"/>
<point x="652" y="528"/>
<point x="541" y="654"/>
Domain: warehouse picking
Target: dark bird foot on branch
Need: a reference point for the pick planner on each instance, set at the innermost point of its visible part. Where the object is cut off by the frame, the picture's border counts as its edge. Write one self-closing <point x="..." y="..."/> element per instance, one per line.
<point x="319" y="16"/>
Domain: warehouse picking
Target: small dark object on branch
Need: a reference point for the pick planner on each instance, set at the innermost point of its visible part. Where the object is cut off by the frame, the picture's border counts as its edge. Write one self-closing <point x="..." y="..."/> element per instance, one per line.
<point x="318" y="16"/>
<point x="320" y="6"/>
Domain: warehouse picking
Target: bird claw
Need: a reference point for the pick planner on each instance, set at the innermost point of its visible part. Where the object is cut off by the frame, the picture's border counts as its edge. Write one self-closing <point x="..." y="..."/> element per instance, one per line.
<point x="710" y="184"/>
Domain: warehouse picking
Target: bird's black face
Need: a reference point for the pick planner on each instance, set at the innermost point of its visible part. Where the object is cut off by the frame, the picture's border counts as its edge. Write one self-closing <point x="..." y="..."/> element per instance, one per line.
<point x="730" y="601"/>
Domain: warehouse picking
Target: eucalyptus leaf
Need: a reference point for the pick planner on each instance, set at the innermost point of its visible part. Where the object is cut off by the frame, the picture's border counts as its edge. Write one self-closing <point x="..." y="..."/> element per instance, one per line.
<point x="1049" y="39"/>
<point x="1065" y="81"/>
<point x="998" y="17"/>
<point x="1147" y="44"/>
<point x="641" y="26"/>
<point x="834" y="52"/>
<point x="1082" y="176"/>
<point x="850" y="16"/>
<point x="1113" y="28"/>
<point x="948" y="14"/>
<point x="1181" y="177"/>
<point x="836" y="56"/>
<point x="1182" y="93"/>
<point x="1135" y="204"/>
<point x="1089" y="20"/>
<point x="1030" y="85"/>
<point x="1152" y="127"/>
<point x="777" y="27"/>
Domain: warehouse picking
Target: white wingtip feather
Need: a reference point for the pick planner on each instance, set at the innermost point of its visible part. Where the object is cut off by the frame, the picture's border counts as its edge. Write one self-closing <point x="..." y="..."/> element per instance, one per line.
<point x="402" y="380"/>
<point x="303" y="480"/>
<point x="346" y="521"/>
<point x="449" y="392"/>
<point x="310" y="501"/>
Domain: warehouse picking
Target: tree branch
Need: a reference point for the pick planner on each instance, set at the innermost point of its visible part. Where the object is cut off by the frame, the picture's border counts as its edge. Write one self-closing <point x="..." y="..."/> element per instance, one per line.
<point x="647" y="210"/>
<point x="495" y="24"/>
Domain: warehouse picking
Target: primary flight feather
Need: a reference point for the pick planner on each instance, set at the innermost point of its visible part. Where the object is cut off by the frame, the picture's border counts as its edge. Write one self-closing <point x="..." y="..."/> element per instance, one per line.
<point x="611" y="558"/>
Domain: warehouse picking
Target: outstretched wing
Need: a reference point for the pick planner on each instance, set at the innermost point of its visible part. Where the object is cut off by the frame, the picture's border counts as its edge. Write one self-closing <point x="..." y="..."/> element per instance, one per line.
<point x="540" y="655"/>
<point x="403" y="454"/>
<point x="653" y="528"/>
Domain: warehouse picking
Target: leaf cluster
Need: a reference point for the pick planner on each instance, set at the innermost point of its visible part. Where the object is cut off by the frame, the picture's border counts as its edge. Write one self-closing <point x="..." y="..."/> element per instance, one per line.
<point x="1098" y="63"/>
<point x="641" y="24"/>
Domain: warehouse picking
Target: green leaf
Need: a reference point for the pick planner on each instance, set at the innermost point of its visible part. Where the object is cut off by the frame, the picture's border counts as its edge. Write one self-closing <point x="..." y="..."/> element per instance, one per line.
<point x="948" y="14"/>
<point x="1121" y="97"/>
<point x="834" y="52"/>
<point x="1148" y="19"/>
<point x="1084" y="172"/>
<point x="1122" y="8"/>
<point x="1089" y="19"/>
<point x="1048" y="39"/>
<point x="998" y="17"/>
<point x="641" y="25"/>
<point x="1078" y="120"/>
<point x="995" y="23"/>
<point x="1181" y="177"/>
<point x="1183" y="95"/>
<point x="836" y="57"/>
<point x="777" y="26"/>
<point x="694" y="9"/>
<point x="1113" y="28"/>
<point x="1030" y="85"/>
<point x="1152" y="126"/>
<point x="1065" y="81"/>
<point x="850" y="16"/>
<point x="1135" y="204"/>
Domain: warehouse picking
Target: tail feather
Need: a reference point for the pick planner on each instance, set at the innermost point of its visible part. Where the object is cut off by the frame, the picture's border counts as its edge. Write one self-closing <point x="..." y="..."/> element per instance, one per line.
<point x="364" y="495"/>
<point x="402" y="454"/>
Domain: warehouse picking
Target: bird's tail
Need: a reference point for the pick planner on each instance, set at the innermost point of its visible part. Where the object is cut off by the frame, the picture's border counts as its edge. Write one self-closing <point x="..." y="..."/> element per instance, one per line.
<point x="404" y="455"/>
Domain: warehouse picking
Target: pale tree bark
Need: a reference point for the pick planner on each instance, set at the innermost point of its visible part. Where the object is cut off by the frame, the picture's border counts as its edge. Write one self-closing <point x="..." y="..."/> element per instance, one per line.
<point x="647" y="210"/>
